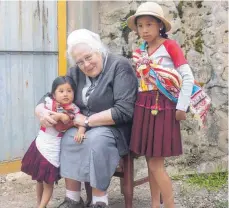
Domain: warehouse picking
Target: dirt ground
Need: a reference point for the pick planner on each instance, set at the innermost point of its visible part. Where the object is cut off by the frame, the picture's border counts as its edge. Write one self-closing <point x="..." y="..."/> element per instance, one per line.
<point x="18" y="190"/>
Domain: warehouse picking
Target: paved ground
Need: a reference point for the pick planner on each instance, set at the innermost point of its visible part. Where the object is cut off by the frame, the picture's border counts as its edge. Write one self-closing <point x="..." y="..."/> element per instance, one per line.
<point x="17" y="190"/>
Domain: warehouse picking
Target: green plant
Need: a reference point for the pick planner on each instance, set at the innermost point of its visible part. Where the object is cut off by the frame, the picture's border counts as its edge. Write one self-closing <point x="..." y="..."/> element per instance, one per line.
<point x="198" y="43"/>
<point x="123" y="25"/>
<point x="179" y="9"/>
<point x="177" y="177"/>
<point x="213" y="181"/>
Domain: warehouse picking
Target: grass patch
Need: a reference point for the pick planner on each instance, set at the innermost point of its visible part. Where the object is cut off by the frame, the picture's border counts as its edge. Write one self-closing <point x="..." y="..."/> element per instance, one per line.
<point x="221" y="204"/>
<point x="213" y="181"/>
<point x="177" y="178"/>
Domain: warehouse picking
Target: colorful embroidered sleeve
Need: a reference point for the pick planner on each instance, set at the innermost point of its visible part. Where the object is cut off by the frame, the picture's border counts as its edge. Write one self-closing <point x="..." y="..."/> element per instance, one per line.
<point x="76" y="109"/>
<point x="175" y="53"/>
<point x="136" y="55"/>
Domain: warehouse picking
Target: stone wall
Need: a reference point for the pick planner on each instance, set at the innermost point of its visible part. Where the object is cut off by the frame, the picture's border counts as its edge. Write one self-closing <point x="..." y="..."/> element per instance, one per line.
<point x="201" y="28"/>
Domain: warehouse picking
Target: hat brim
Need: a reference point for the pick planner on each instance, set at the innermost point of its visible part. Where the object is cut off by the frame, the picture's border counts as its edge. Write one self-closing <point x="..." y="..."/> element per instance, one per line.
<point x="132" y="26"/>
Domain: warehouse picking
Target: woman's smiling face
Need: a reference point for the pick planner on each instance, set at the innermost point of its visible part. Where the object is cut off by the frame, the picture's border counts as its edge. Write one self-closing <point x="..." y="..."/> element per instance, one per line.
<point x="90" y="62"/>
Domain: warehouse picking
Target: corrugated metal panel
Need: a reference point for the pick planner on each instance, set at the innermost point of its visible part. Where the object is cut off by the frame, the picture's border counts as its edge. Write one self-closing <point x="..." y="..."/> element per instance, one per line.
<point x="28" y="25"/>
<point x="28" y="60"/>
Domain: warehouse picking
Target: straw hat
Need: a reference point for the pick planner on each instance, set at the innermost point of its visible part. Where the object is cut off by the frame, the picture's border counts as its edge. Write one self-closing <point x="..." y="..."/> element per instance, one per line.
<point x="148" y="8"/>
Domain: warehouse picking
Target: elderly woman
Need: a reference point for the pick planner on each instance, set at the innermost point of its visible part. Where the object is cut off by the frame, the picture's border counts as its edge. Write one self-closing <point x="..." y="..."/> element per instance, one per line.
<point x="106" y="93"/>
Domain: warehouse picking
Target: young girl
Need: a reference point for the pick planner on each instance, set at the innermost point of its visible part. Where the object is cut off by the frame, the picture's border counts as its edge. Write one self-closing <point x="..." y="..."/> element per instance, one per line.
<point x="41" y="161"/>
<point x="156" y="128"/>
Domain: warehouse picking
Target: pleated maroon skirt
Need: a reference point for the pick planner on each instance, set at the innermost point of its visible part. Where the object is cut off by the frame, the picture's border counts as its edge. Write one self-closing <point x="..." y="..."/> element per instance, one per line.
<point x="155" y="136"/>
<point x="37" y="166"/>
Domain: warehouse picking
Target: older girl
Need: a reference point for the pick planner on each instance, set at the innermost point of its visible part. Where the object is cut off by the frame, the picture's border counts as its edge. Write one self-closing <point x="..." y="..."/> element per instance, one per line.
<point x="156" y="127"/>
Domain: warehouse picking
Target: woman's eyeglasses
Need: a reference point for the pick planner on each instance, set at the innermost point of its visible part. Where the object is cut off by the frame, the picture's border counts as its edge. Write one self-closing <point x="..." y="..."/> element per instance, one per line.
<point x="87" y="58"/>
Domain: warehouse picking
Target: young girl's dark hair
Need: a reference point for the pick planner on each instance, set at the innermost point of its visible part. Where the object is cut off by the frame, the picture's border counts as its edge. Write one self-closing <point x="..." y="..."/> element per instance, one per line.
<point x="162" y="32"/>
<point x="62" y="80"/>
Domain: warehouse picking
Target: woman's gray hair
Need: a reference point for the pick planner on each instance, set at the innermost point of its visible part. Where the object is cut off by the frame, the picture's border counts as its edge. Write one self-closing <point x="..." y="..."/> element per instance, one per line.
<point x="84" y="38"/>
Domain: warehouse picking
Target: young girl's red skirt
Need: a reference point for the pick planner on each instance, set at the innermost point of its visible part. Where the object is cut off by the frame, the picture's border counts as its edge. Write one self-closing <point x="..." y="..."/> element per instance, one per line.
<point x="155" y="135"/>
<point x="36" y="165"/>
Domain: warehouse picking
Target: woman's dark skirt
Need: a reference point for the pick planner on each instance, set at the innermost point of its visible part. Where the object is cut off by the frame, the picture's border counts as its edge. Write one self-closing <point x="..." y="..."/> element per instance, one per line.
<point x="36" y="165"/>
<point x="155" y="135"/>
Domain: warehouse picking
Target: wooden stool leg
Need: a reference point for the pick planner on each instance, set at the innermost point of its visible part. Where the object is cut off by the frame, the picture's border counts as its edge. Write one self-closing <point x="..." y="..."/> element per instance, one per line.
<point x="128" y="180"/>
<point x="122" y="185"/>
<point x="89" y="194"/>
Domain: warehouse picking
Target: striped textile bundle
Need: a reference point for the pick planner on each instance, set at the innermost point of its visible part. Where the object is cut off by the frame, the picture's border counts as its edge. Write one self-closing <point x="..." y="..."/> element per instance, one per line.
<point x="169" y="82"/>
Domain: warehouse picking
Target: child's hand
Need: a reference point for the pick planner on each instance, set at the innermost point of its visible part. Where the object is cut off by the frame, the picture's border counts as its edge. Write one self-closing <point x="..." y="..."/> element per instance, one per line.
<point x="56" y="116"/>
<point x="79" y="137"/>
<point x="65" y="118"/>
<point x="63" y="127"/>
<point x="180" y="115"/>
